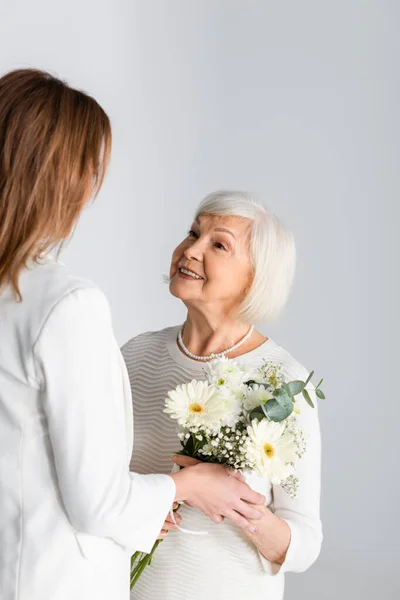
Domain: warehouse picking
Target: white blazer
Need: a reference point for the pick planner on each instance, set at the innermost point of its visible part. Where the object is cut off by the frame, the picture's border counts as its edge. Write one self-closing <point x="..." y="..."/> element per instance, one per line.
<point x="71" y="514"/>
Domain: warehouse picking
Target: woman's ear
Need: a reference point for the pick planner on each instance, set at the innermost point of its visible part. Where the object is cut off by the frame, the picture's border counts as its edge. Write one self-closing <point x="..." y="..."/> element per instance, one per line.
<point x="249" y="283"/>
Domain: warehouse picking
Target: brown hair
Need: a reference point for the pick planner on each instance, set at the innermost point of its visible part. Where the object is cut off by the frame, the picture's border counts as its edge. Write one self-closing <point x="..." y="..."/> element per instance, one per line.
<point x="55" y="144"/>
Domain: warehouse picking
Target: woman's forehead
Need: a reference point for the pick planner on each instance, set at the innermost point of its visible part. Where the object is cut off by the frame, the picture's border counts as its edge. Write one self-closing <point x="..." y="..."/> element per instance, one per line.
<point x="236" y="225"/>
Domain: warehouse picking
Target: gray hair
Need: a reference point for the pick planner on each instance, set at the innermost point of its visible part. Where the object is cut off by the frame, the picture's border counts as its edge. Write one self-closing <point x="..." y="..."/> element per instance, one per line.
<point x="272" y="251"/>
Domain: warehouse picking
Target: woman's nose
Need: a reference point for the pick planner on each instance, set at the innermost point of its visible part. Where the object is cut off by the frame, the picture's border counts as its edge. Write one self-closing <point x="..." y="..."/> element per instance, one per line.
<point x="193" y="252"/>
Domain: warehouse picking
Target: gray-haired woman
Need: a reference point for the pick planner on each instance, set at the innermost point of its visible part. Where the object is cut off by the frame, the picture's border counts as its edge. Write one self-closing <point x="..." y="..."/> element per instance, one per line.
<point x="234" y="269"/>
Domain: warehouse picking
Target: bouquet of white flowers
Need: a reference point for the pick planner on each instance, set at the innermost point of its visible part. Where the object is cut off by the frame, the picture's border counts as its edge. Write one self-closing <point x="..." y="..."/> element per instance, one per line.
<point x="246" y="420"/>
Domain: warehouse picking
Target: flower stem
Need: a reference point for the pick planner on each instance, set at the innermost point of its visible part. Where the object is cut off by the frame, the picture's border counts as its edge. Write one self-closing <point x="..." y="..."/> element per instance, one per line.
<point x="143" y="562"/>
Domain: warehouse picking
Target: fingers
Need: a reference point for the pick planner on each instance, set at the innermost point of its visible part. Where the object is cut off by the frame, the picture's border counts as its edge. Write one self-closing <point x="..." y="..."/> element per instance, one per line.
<point x="217" y="519"/>
<point x="177" y="517"/>
<point x="241" y="521"/>
<point x="248" y="511"/>
<point x="251" y="496"/>
<point x="184" y="461"/>
<point x="169" y="525"/>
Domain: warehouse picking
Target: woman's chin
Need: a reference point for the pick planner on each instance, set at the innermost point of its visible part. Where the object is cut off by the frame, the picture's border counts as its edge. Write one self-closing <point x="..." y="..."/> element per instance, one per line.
<point x="178" y="289"/>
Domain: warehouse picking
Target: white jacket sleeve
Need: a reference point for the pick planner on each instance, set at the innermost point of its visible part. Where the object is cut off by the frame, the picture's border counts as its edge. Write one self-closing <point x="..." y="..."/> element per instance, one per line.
<point x="78" y="365"/>
<point x="302" y="513"/>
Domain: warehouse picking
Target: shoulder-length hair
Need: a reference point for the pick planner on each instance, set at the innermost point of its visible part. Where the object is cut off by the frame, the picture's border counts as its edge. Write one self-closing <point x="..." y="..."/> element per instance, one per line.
<point x="272" y="254"/>
<point x="55" y="144"/>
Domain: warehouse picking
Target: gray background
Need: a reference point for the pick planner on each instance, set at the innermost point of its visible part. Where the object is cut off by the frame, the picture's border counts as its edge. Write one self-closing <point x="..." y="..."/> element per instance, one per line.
<point x="297" y="101"/>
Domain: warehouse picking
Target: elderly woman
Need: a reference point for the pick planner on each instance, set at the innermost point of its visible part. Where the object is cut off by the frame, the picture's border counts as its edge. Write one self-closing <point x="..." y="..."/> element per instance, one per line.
<point x="233" y="269"/>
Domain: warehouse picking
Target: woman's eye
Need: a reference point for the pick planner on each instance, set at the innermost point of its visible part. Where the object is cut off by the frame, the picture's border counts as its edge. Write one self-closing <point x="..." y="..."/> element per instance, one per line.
<point x="193" y="234"/>
<point x="220" y="246"/>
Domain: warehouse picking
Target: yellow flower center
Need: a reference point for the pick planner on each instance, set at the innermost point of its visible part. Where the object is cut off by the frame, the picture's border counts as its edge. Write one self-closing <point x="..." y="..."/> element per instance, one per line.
<point x="221" y="381"/>
<point x="269" y="450"/>
<point x="196" y="408"/>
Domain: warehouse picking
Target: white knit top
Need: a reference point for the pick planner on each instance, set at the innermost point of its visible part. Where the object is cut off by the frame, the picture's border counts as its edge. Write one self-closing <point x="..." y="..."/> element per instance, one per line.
<point x="224" y="564"/>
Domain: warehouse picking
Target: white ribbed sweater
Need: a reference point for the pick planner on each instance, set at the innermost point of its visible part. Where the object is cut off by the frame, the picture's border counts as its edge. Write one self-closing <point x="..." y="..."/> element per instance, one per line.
<point x="224" y="564"/>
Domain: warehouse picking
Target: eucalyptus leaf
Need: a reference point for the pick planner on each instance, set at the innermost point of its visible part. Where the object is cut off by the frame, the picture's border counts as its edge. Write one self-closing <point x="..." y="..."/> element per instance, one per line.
<point x="307" y="398"/>
<point x="283" y="399"/>
<point x="319" y="384"/>
<point x="320" y="394"/>
<point x="309" y="378"/>
<point x="276" y="412"/>
<point x="257" y="413"/>
<point x="296" y="387"/>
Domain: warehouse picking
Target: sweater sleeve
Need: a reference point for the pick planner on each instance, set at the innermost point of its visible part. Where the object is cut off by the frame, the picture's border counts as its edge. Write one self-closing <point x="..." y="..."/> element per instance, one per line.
<point x="78" y="363"/>
<point x="302" y="513"/>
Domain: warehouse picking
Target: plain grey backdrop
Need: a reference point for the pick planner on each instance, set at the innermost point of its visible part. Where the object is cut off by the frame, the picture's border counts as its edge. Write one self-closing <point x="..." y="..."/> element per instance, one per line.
<point x="297" y="101"/>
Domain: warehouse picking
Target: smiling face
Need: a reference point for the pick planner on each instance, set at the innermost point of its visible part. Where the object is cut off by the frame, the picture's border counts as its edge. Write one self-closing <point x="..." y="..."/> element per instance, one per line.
<point x="212" y="266"/>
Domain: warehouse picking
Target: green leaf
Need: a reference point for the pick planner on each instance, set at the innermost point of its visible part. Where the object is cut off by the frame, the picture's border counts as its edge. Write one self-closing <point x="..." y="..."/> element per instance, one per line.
<point x="309" y="378"/>
<point x="319" y="384"/>
<point x="190" y="446"/>
<point x="276" y="412"/>
<point x="283" y="398"/>
<point x="257" y="413"/>
<point x="307" y="398"/>
<point x="296" y="387"/>
<point x="320" y="394"/>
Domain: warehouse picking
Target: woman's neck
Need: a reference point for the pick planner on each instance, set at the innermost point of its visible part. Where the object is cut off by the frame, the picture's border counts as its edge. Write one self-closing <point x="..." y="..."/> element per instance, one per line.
<point x="207" y="334"/>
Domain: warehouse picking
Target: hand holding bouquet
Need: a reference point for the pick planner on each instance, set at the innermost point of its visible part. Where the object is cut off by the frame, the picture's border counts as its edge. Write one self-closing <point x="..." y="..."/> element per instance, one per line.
<point x="246" y="420"/>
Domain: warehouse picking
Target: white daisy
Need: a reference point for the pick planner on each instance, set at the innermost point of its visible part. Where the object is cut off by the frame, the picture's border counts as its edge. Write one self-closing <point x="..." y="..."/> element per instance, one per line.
<point x="224" y="372"/>
<point x="196" y="404"/>
<point x="233" y="400"/>
<point x="256" y="396"/>
<point x="273" y="451"/>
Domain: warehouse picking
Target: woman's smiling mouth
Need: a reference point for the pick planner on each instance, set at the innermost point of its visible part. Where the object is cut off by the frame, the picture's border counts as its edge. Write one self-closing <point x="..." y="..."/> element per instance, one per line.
<point x="188" y="274"/>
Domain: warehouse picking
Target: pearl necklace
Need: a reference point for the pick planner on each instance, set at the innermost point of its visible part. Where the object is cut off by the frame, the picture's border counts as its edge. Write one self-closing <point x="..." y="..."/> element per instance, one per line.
<point x="216" y="354"/>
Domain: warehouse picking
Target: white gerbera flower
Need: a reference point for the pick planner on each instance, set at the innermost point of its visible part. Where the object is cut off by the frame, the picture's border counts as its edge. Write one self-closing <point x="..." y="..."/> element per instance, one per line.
<point x="256" y="396"/>
<point x="273" y="451"/>
<point x="224" y="372"/>
<point x="233" y="400"/>
<point x="196" y="404"/>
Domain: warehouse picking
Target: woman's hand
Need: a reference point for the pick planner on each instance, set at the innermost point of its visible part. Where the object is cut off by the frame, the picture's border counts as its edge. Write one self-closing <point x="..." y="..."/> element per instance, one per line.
<point x="218" y="492"/>
<point x="185" y="461"/>
<point x="188" y="461"/>
<point x="270" y="534"/>
<point x="169" y="525"/>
